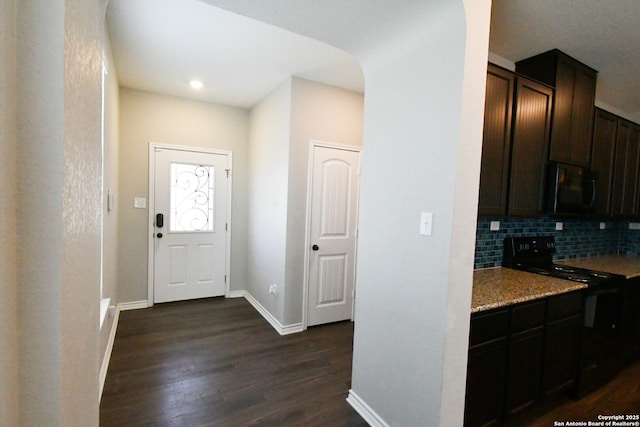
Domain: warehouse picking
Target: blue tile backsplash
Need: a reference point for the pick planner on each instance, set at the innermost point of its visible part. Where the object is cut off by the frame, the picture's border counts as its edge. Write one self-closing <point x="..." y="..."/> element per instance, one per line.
<point x="579" y="238"/>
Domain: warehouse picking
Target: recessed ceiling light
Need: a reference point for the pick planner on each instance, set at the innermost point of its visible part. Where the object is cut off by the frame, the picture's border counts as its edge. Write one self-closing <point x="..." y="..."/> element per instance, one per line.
<point x="196" y="84"/>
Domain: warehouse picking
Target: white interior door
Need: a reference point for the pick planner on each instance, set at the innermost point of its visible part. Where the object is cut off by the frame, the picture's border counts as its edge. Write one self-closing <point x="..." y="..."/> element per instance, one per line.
<point x="332" y="234"/>
<point x="190" y="224"/>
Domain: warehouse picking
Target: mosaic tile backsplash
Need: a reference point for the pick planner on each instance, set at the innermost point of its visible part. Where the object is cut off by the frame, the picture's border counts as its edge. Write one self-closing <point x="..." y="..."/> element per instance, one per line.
<point x="579" y="238"/>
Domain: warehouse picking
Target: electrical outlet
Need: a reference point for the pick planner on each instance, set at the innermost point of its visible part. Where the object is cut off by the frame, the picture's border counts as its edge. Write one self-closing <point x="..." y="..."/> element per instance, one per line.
<point x="494" y="226"/>
<point x="634" y="226"/>
<point x="559" y="226"/>
<point x="273" y="289"/>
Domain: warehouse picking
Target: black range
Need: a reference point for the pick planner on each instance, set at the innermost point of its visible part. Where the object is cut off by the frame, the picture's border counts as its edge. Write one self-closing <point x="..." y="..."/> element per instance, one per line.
<point x="535" y="255"/>
<point x="599" y="358"/>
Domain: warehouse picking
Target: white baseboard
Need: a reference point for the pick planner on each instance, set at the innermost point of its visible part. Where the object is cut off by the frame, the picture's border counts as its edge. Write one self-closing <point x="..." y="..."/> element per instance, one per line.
<point x="279" y="327"/>
<point x="133" y="305"/>
<point x="365" y="411"/>
<point x="107" y="353"/>
<point x="236" y="294"/>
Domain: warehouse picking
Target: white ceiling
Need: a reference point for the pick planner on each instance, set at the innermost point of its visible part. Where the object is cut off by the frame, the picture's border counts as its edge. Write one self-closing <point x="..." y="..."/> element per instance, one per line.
<point x="605" y="35"/>
<point x="159" y="45"/>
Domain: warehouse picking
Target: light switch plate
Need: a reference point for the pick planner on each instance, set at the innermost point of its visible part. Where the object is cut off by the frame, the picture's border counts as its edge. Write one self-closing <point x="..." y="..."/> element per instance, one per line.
<point x="559" y="226"/>
<point x="426" y="222"/>
<point x="139" y="203"/>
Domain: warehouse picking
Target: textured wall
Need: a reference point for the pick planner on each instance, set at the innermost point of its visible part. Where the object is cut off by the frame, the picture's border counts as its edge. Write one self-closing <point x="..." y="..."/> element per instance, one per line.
<point x="59" y="208"/>
<point x="40" y="46"/>
<point x="8" y="284"/>
<point x="81" y="212"/>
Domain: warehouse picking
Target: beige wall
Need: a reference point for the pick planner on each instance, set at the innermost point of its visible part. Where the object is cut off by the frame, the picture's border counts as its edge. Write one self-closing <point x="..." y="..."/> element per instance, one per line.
<point x="282" y="124"/>
<point x="267" y="208"/>
<point x="8" y="282"/>
<point x="147" y="117"/>
<point x="322" y="113"/>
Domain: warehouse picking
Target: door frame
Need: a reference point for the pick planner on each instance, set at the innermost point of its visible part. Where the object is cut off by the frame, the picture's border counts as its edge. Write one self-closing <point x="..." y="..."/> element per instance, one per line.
<point x="307" y="237"/>
<point x="151" y="212"/>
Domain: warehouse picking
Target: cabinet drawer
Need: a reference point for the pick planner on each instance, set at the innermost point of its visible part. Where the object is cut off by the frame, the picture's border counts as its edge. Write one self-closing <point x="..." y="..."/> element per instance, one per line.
<point x="488" y="326"/>
<point x="527" y="316"/>
<point x="564" y="305"/>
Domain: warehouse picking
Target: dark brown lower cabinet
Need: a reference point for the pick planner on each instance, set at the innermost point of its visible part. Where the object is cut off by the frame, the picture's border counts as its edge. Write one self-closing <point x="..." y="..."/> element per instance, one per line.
<point x="561" y="356"/>
<point x="486" y="379"/>
<point x="631" y="322"/>
<point x="519" y="354"/>
<point x="525" y="369"/>
<point x="487" y="367"/>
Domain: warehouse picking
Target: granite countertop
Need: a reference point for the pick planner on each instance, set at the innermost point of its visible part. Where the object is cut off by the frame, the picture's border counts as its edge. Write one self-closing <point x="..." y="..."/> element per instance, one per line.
<point x="624" y="265"/>
<point x="499" y="287"/>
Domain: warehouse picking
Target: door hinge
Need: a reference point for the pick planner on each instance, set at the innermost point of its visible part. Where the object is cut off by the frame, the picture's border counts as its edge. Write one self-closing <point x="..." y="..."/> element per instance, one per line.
<point x="225" y="278"/>
<point x="226" y="226"/>
<point x="227" y="170"/>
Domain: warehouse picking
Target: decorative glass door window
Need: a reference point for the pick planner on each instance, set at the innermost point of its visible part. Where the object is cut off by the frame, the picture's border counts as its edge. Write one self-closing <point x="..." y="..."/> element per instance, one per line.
<point x="191" y="204"/>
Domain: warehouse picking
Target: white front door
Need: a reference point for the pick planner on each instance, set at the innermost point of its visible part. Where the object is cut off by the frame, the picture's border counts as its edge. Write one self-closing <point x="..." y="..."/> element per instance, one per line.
<point x="190" y="224"/>
<point x="332" y="233"/>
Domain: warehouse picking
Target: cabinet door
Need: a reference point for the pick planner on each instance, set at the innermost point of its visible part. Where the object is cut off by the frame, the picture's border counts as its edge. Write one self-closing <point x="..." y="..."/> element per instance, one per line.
<point x="582" y="116"/>
<point x="560" y="149"/>
<point x="575" y="89"/>
<point x="486" y="379"/>
<point x="525" y="369"/>
<point x="496" y="142"/>
<point x="631" y="322"/>
<point x="529" y="151"/>
<point x="603" y="150"/>
<point x="562" y="352"/>
<point x="625" y="178"/>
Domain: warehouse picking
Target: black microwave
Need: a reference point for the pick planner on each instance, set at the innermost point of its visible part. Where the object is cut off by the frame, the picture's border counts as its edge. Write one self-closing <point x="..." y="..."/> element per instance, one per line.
<point x="570" y="190"/>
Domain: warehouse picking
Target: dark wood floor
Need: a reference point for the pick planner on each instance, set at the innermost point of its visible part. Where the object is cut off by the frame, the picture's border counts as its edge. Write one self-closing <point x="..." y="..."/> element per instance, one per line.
<point x="621" y="396"/>
<point x="217" y="362"/>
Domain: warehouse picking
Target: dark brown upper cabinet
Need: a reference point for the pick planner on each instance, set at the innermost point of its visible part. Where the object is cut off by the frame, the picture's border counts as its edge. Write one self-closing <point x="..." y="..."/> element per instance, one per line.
<point x="496" y="142"/>
<point x="575" y="88"/>
<point x="514" y="148"/>
<point x="624" y="199"/>
<point x="602" y="158"/>
<point x="531" y="128"/>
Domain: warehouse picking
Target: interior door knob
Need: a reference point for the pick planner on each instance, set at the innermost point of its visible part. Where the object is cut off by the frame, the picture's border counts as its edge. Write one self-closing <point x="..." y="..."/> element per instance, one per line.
<point x="159" y="235"/>
<point x="315" y="247"/>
